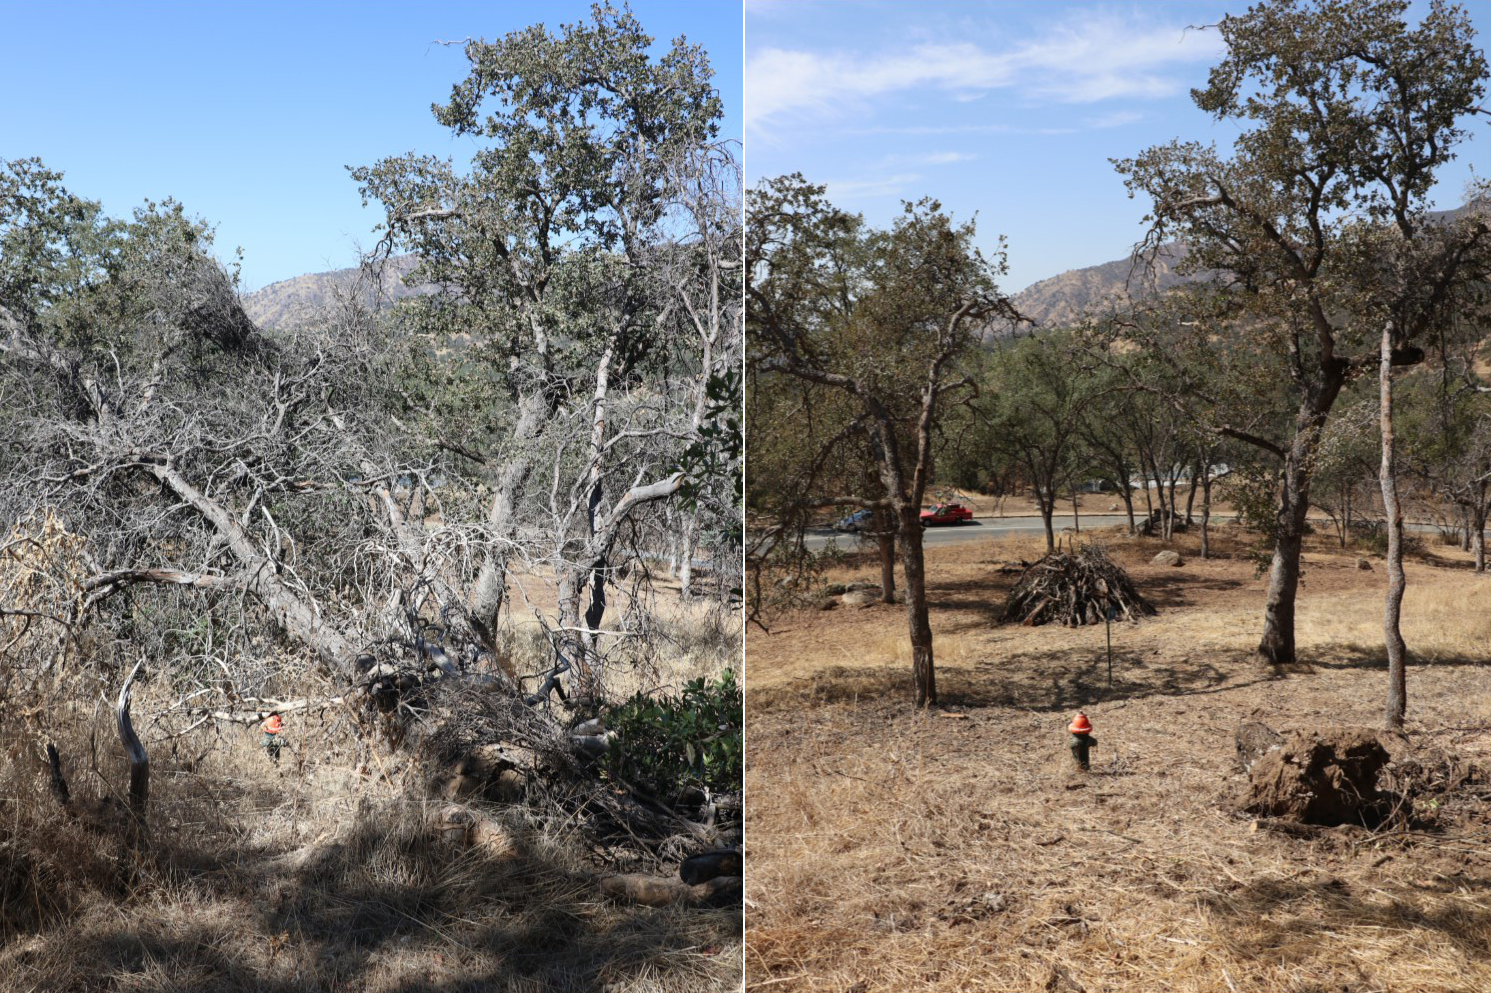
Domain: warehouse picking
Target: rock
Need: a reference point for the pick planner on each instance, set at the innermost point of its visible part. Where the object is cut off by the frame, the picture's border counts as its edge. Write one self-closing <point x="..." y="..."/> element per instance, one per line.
<point x="1168" y="557"/>
<point x="835" y="589"/>
<point x="1254" y="740"/>
<point x="1364" y="565"/>
<point x="1325" y="777"/>
<point x="860" y="598"/>
<point x="1112" y="507"/>
<point x="828" y="603"/>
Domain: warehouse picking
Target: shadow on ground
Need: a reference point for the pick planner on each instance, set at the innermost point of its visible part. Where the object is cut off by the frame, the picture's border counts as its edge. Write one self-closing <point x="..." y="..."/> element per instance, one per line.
<point x="1270" y="918"/>
<point x="1061" y="679"/>
<point x="383" y="906"/>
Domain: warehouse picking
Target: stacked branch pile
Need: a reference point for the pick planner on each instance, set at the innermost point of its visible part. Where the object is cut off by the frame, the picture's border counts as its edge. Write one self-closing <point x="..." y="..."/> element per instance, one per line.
<point x="1075" y="588"/>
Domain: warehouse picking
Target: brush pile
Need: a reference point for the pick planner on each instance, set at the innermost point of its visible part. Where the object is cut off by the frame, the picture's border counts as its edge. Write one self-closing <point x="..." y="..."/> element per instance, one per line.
<point x="1074" y="588"/>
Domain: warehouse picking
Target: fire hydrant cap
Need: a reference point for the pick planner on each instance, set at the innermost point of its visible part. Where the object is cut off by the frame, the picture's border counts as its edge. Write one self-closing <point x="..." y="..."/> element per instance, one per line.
<point x="1080" y="724"/>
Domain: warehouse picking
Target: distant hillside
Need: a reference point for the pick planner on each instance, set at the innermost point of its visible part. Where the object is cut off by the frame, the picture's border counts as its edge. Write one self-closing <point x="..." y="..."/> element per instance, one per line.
<point x="1064" y="298"/>
<point x="303" y="299"/>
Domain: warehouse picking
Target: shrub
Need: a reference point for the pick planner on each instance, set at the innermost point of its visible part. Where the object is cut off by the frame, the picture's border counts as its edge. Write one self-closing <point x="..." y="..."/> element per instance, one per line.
<point x="668" y="744"/>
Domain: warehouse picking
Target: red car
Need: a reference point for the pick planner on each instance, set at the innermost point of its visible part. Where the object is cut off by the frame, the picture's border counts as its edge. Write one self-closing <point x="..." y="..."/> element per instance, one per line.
<point x="946" y="513"/>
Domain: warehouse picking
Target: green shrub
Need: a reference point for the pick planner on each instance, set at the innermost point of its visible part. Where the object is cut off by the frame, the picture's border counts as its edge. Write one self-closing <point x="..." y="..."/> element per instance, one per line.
<point x="669" y="744"/>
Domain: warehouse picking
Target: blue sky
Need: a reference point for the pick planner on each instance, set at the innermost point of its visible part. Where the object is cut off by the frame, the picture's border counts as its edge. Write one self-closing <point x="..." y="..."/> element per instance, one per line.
<point x="247" y="113"/>
<point x="1008" y="109"/>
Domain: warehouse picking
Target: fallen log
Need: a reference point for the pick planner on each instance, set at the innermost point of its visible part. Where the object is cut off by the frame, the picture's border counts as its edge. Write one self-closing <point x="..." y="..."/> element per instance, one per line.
<point x="463" y="826"/>
<point x="657" y="891"/>
<point x="710" y="865"/>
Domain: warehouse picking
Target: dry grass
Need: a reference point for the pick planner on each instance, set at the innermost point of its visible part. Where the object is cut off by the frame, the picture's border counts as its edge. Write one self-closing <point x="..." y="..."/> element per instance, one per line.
<point x="319" y="875"/>
<point x="904" y="852"/>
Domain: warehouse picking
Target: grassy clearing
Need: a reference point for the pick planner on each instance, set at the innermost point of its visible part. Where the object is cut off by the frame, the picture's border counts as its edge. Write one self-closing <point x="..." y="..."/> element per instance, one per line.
<point x="321" y="874"/>
<point x="960" y="850"/>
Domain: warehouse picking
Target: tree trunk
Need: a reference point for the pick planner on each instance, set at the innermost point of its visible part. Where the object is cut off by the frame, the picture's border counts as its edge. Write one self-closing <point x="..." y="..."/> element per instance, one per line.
<point x="1478" y="528"/>
<point x="139" y="762"/>
<point x="489" y="592"/>
<point x="1171" y="513"/>
<point x="686" y="555"/>
<point x="1392" y="607"/>
<point x="1047" y="511"/>
<point x="1478" y="542"/>
<point x="1076" y="517"/>
<point x="1144" y="482"/>
<point x="909" y="531"/>
<point x="57" y="783"/>
<point x="1191" y="496"/>
<point x="296" y="615"/>
<point x="885" y="539"/>
<point x="1277" y="644"/>
<point x="1346" y="489"/>
<point x="1206" y="512"/>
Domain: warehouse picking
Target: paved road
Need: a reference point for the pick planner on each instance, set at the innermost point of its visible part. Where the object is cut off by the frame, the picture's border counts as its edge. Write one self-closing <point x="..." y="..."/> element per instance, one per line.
<point x="998" y="527"/>
<point x="979" y="527"/>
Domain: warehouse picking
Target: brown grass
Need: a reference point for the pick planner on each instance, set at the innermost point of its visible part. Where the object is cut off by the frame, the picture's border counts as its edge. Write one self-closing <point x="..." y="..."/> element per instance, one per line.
<point x="904" y="852"/>
<point x="321" y="874"/>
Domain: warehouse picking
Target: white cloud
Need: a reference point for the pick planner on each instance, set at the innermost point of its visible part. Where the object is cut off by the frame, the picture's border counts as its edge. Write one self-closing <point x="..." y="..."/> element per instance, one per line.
<point x="845" y="190"/>
<point x="1081" y="60"/>
<point x="1117" y="119"/>
<point x="946" y="158"/>
<point x="765" y="8"/>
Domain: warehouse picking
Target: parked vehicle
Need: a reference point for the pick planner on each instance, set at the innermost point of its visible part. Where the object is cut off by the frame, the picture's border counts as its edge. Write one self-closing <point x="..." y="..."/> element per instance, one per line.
<point x="946" y="513"/>
<point x="855" y="522"/>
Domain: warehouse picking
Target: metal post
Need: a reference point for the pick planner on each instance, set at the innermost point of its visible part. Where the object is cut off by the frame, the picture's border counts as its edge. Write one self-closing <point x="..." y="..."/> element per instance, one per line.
<point x="1108" y="623"/>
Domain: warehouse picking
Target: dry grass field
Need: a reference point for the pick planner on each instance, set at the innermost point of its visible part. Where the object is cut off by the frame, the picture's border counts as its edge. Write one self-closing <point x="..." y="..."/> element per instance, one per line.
<point x="324" y="873"/>
<point x="960" y="850"/>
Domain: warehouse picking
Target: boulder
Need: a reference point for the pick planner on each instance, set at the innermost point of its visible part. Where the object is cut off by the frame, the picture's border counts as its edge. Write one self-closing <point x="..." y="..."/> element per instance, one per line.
<point x="1364" y="565"/>
<point x="1168" y="557"/>
<point x="861" y="598"/>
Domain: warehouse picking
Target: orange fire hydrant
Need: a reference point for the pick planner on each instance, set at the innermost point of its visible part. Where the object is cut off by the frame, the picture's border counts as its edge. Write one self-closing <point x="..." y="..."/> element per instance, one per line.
<point x="1082" y="739"/>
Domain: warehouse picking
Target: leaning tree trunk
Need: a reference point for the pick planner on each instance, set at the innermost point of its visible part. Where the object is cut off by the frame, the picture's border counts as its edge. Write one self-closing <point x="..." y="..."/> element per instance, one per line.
<point x="489" y="592"/>
<point x="1392" y="608"/>
<point x="139" y="762"/>
<point x="909" y="532"/>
